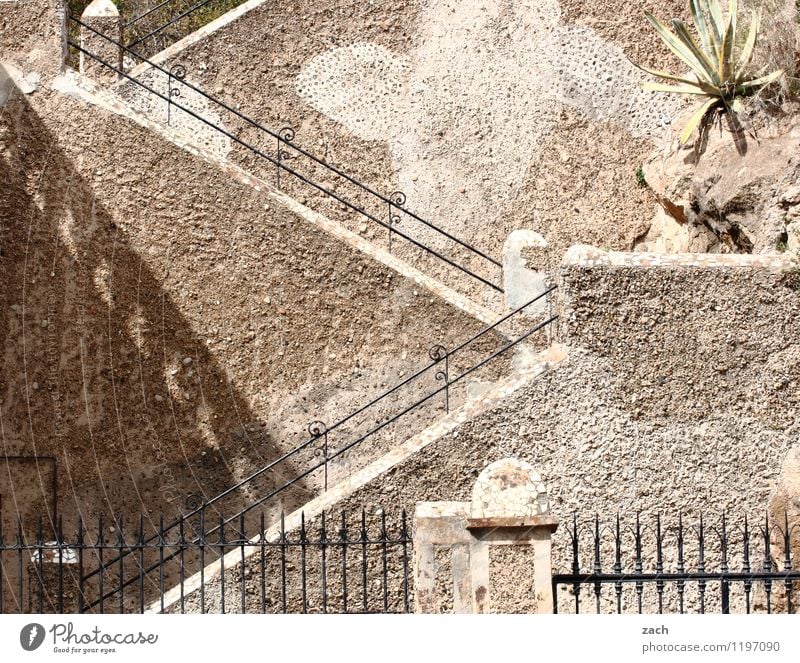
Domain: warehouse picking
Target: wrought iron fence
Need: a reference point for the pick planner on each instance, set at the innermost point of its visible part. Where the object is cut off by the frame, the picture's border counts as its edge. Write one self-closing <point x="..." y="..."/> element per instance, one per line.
<point x="351" y="563"/>
<point x="279" y="148"/>
<point x="626" y="565"/>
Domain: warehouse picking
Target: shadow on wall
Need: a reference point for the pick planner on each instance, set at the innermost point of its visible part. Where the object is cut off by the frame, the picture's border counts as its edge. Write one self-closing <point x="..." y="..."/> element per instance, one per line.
<point x="100" y="369"/>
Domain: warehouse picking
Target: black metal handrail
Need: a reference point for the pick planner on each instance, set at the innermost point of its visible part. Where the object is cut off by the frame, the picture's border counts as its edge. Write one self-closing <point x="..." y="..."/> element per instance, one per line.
<point x="395" y="203"/>
<point x="319" y="432"/>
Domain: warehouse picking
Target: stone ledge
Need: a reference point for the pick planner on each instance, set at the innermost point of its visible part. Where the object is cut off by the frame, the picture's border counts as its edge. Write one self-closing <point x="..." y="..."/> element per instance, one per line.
<point x="582" y="255"/>
<point x="494" y="523"/>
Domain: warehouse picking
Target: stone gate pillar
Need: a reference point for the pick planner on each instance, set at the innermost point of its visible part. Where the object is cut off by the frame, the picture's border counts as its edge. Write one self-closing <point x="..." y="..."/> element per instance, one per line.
<point x="102" y="16"/>
<point x="525" y="269"/>
<point x="492" y="554"/>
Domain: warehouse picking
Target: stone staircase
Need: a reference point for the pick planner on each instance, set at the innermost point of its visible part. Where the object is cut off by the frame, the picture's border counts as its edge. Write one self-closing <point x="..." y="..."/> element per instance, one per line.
<point x="374" y="481"/>
<point x="464" y="397"/>
<point x="191" y="124"/>
<point x="185" y="137"/>
<point x="168" y="97"/>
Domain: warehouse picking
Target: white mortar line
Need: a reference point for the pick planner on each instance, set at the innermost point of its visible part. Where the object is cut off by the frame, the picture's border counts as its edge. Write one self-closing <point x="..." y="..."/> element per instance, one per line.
<point x="545" y="361"/>
<point x="73" y="84"/>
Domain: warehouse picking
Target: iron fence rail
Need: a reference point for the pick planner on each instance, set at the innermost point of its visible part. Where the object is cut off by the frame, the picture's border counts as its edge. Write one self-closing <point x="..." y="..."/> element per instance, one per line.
<point x="394" y="204"/>
<point x="353" y="563"/>
<point x="662" y="565"/>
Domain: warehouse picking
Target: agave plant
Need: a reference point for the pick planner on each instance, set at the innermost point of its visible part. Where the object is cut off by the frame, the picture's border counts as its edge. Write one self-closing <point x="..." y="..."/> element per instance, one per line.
<point x="721" y="68"/>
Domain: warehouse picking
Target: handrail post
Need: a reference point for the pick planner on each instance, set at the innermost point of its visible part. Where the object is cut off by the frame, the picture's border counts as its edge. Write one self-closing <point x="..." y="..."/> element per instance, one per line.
<point x="177" y="73"/>
<point x="319" y="429"/>
<point x="284" y="137"/>
<point x="439" y="353"/>
<point x="398" y="200"/>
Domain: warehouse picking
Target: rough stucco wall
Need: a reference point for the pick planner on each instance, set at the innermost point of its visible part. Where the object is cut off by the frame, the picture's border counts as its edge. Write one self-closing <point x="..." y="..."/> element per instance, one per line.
<point x="605" y="429"/>
<point x="32" y="35"/>
<point x="608" y="434"/>
<point x="167" y="329"/>
<point x="436" y="99"/>
<point x="595" y="457"/>
<point x="687" y="341"/>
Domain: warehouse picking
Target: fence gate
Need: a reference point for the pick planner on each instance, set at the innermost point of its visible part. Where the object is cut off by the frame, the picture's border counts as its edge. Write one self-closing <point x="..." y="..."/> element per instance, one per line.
<point x="488" y="555"/>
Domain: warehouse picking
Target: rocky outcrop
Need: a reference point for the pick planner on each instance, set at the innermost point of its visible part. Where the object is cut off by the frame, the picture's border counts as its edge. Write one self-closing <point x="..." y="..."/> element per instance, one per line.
<point x="717" y="198"/>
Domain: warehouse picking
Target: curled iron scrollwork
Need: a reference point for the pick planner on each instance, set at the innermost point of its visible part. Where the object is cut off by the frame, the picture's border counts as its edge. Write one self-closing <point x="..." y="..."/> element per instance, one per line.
<point x="178" y="71"/>
<point x="194" y="502"/>
<point x="317" y="428"/>
<point x="287" y="134"/>
<point x="437" y="352"/>
<point x="398" y="199"/>
<point x="285" y="137"/>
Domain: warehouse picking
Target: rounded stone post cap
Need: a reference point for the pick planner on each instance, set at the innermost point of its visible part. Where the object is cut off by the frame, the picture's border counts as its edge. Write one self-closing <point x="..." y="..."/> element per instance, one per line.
<point x="100" y="8"/>
<point x="509" y="489"/>
<point x="523" y="237"/>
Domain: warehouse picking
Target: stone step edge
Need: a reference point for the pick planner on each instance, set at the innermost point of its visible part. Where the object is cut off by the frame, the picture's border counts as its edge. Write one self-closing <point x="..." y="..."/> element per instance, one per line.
<point x="76" y="85"/>
<point x="544" y="362"/>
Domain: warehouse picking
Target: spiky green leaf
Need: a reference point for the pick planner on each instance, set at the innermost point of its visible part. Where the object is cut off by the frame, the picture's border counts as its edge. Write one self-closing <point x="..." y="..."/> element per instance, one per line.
<point x="713" y="38"/>
<point x="715" y="12"/>
<point x="673" y="77"/>
<point x="700" y="24"/>
<point x="686" y="38"/>
<point x="697" y="117"/>
<point x="649" y="86"/>
<point x="760" y="82"/>
<point x="725" y="65"/>
<point x="677" y="46"/>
